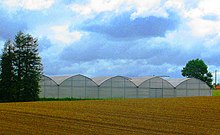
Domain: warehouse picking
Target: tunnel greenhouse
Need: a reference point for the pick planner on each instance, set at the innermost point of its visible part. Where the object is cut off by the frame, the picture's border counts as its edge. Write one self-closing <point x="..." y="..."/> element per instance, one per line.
<point x="80" y="86"/>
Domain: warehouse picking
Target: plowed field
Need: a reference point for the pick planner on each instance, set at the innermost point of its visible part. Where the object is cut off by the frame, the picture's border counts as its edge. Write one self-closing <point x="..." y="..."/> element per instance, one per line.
<point x="197" y="115"/>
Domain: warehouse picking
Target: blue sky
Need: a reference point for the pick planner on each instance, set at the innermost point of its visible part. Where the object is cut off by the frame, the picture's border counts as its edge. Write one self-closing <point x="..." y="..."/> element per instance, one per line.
<point x="117" y="37"/>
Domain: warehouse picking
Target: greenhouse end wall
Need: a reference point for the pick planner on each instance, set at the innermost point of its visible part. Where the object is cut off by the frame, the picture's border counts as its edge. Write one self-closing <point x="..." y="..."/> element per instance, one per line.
<point x="116" y="87"/>
<point x="80" y="86"/>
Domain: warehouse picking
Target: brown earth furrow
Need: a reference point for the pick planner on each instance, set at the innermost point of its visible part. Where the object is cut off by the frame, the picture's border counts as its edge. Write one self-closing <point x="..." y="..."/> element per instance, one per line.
<point x="85" y="123"/>
<point x="195" y="115"/>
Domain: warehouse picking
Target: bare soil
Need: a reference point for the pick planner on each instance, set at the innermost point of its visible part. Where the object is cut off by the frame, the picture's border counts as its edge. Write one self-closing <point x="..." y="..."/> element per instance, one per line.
<point x="194" y="115"/>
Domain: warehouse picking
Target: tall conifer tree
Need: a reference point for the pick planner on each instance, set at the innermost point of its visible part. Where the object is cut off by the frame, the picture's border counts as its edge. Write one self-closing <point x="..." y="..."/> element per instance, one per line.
<point x="21" y="69"/>
<point x="7" y="90"/>
<point x="28" y="67"/>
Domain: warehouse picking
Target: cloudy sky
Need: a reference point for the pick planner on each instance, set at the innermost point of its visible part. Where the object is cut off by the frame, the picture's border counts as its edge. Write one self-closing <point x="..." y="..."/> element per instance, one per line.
<point x="117" y="37"/>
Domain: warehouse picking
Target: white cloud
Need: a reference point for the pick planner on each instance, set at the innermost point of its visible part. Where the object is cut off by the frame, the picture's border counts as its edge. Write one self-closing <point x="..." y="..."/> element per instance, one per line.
<point x="200" y="26"/>
<point x="200" y="21"/>
<point x="173" y="68"/>
<point x="139" y="8"/>
<point x="148" y="8"/>
<point x="177" y="5"/>
<point x="98" y="6"/>
<point x="109" y="67"/>
<point x="59" y="37"/>
<point x="204" y="8"/>
<point x="209" y="7"/>
<point x="61" y="33"/>
<point x="29" y="4"/>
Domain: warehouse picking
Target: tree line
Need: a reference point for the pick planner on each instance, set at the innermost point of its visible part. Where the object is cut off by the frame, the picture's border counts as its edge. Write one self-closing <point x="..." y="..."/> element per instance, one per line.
<point x="20" y="69"/>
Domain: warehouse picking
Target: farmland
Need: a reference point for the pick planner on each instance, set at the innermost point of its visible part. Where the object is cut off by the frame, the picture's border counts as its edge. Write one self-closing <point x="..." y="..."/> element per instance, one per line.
<point x="195" y="115"/>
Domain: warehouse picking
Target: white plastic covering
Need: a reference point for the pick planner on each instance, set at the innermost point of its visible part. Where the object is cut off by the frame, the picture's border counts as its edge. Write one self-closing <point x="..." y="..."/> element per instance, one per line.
<point x="49" y="88"/>
<point x="153" y="87"/>
<point x="190" y="87"/>
<point x="116" y="87"/>
<point x="80" y="86"/>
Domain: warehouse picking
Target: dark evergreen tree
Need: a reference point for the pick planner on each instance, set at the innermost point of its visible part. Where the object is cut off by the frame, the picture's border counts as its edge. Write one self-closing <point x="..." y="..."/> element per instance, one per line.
<point x="28" y="67"/>
<point x="19" y="45"/>
<point x="7" y="77"/>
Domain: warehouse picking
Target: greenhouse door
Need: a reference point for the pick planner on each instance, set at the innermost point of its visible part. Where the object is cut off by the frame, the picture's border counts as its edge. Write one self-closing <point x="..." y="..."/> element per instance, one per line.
<point x="156" y="93"/>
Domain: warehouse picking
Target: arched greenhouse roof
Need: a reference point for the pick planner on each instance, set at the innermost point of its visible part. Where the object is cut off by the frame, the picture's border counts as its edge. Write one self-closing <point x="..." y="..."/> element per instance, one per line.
<point x="187" y="79"/>
<point x="178" y="81"/>
<point x="59" y="79"/>
<point x="175" y="82"/>
<point x="76" y="76"/>
<point x="100" y="80"/>
<point x="139" y="80"/>
<point x="45" y="76"/>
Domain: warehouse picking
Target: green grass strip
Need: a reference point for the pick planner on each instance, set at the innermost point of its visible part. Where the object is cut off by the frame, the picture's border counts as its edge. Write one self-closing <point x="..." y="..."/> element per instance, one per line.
<point x="68" y="99"/>
<point x="216" y="93"/>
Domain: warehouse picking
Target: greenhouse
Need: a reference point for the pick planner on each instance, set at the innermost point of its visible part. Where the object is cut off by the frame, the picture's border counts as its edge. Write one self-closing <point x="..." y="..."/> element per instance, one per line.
<point x="77" y="86"/>
<point x="190" y="87"/>
<point x="153" y="87"/>
<point x="80" y="86"/>
<point x="115" y="87"/>
<point x="48" y="88"/>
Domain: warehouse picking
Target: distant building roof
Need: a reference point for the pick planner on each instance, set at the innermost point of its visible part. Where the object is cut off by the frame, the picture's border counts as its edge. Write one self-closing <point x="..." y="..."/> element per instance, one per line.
<point x="217" y="87"/>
